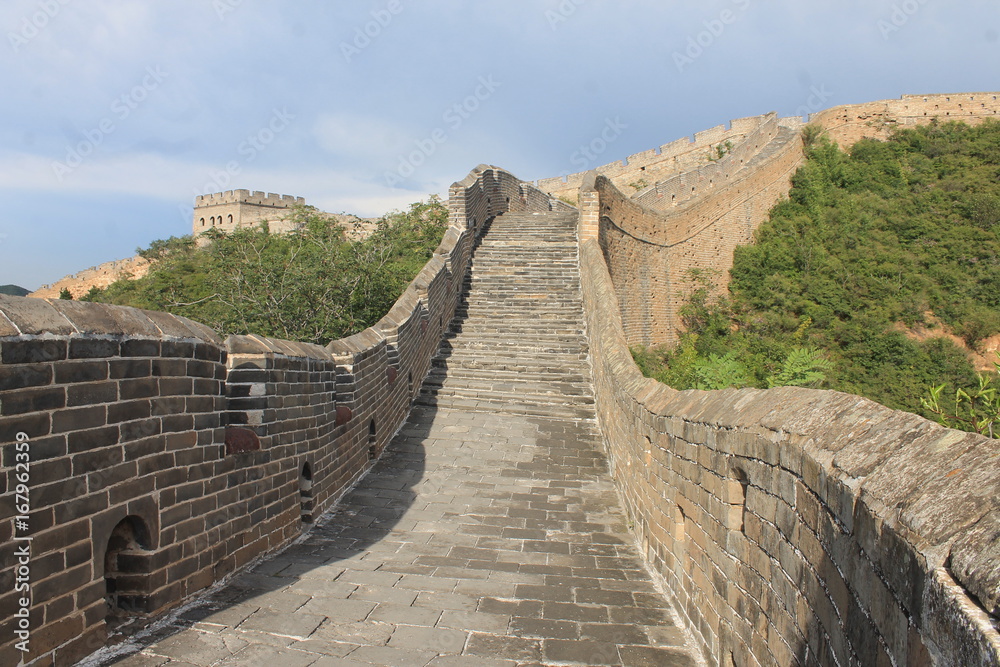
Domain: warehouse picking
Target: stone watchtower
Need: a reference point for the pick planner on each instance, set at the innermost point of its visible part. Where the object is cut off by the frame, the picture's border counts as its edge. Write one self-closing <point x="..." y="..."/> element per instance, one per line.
<point x="234" y="209"/>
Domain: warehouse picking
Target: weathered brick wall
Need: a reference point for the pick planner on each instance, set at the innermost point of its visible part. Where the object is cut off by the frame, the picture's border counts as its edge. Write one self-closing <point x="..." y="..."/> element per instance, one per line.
<point x="801" y="527"/>
<point x="660" y="163"/>
<point x="849" y="123"/>
<point x="664" y="195"/>
<point x="124" y="413"/>
<point x="163" y="458"/>
<point x="650" y="253"/>
<point x="489" y="191"/>
<point x="696" y="218"/>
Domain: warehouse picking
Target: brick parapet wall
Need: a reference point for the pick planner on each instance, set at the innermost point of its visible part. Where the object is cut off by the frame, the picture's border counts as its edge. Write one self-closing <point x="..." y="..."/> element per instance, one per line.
<point x="692" y="183"/>
<point x="247" y="197"/>
<point x="207" y="452"/>
<point x="849" y="123"/>
<point x="845" y="124"/>
<point x="123" y="409"/>
<point x="489" y="191"/>
<point x="659" y="163"/>
<point x="650" y="253"/>
<point x="796" y="526"/>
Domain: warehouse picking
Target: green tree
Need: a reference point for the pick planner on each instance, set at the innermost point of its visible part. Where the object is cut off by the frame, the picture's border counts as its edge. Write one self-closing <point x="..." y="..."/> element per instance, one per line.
<point x="313" y="284"/>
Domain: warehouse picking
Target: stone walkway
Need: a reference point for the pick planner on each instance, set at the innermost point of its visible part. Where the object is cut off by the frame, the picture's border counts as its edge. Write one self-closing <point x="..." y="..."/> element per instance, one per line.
<point x="489" y="534"/>
<point x="478" y="539"/>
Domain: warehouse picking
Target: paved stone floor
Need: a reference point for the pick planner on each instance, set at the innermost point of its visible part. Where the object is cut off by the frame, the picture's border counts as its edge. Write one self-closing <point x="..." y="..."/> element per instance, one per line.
<point x="479" y="539"/>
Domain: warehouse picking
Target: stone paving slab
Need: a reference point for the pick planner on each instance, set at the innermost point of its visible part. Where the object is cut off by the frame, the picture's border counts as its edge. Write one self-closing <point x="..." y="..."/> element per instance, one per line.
<point x="527" y="562"/>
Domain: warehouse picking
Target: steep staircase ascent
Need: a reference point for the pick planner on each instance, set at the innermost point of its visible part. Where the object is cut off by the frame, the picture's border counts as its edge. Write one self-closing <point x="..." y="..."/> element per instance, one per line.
<point x="517" y="343"/>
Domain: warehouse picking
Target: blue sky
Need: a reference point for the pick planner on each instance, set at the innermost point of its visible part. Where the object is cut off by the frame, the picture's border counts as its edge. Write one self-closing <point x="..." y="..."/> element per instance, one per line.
<point x="118" y="112"/>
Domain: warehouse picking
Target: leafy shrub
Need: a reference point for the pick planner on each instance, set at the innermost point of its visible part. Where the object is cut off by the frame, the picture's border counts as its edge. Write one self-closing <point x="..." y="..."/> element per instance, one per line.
<point x="311" y="285"/>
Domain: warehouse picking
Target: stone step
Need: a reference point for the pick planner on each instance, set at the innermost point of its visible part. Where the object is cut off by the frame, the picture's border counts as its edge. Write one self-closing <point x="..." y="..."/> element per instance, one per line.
<point x="514" y="344"/>
<point x="485" y="360"/>
<point x="518" y="285"/>
<point x="532" y="347"/>
<point x="487" y="384"/>
<point x="544" y="402"/>
<point x="544" y="270"/>
<point x="580" y="413"/>
<point x="486" y="330"/>
<point x="536" y="311"/>
<point x="533" y="305"/>
<point x="550" y="296"/>
<point x="567" y="276"/>
<point x="501" y="375"/>
<point x="529" y="328"/>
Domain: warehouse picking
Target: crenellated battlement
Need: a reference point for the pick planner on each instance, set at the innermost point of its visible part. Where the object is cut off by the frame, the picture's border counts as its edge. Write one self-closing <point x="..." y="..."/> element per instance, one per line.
<point x="256" y="198"/>
<point x="664" y="161"/>
<point x="235" y="209"/>
<point x="845" y="124"/>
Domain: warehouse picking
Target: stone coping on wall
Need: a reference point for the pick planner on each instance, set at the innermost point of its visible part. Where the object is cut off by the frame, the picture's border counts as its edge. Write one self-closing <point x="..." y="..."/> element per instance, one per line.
<point x="916" y="500"/>
<point x="669" y="227"/>
<point x="23" y="316"/>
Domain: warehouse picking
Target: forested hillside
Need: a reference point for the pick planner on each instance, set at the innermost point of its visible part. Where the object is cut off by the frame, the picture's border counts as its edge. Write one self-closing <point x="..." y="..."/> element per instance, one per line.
<point x="872" y="246"/>
<point x="312" y="285"/>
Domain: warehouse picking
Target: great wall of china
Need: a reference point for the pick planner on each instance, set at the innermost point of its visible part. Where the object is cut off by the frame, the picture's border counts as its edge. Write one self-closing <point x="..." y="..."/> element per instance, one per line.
<point x="788" y="526"/>
<point x="222" y="211"/>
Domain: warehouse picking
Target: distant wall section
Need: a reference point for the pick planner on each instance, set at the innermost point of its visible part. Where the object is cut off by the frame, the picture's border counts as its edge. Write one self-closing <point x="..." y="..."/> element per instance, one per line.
<point x="850" y="123"/>
<point x="651" y="253"/>
<point x="695" y="218"/>
<point x="99" y="276"/>
<point x="662" y="162"/>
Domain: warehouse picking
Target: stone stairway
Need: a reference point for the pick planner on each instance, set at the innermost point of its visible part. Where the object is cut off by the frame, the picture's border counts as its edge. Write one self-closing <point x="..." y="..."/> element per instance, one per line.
<point x="517" y="343"/>
<point x="489" y="534"/>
